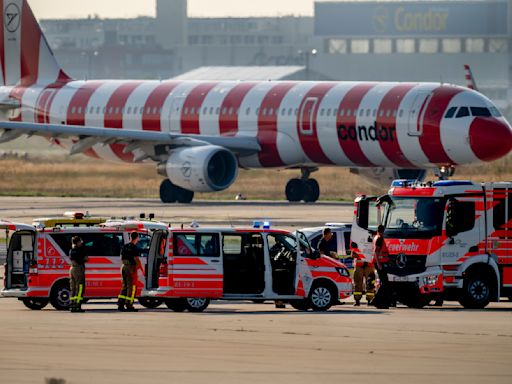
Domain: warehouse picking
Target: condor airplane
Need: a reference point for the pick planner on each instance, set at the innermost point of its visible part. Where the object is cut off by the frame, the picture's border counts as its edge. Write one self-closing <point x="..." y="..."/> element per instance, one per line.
<point x="199" y="133"/>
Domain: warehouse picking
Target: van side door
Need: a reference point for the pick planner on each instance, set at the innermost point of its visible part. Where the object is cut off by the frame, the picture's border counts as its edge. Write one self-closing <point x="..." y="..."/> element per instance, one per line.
<point x="197" y="268"/>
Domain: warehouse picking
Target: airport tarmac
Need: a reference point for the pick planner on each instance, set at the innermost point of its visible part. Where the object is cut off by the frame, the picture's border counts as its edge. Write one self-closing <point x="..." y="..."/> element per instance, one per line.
<point x="280" y="213"/>
<point x="256" y="343"/>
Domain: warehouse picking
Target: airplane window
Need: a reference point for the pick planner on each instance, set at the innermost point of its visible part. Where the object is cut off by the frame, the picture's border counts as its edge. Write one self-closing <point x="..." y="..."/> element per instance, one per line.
<point x="160" y="110"/>
<point x="374" y="113"/>
<point x="463" y="112"/>
<point x="211" y="110"/>
<point x="322" y="112"/>
<point x="349" y="112"/>
<point x="91" y="110"/>
<point x="401" y="113"/>
<point x="110" y="110"/>
<point x="361" y="112"/>
<point x="328" y="112"/>
<point x="217" y="110"/>
<point x="271" y="112"/>
<point x="368" y="112"/>
<point x="117" y="110"/>
<point x="264" y="111"/>
<point x="129" y="110"/>
<point x="224" y="110"/>
<point x="296" y="111"/>
<point x="495" y="112"/>
<point x="238" y="111"/>
<point x="79" y="110"/>
<point x="290" y="112"/>
<point x="450" y="113"/>
<point x="381" y="113"/>
<point x="342" y="112"/>
<point x="122" y="111"/>
<point x="231" y="111"/>
<point x="394" y="113"/>
<point x="354" y="113"/>
<point x="335" y="111"/>
<point x="98" y="109"/>
<point x="205" y="109"/>
<point x="185" y="110"/>
<point x="135" y="109"/>
<point x="388" y="112"/>
<point x="480" y="111"/>
<point x="104" y="110"/>
<point x="155" y="109"/>
<point x="141" y="111"/>
<point x="283" y="112"/>
<point x="73" y="110"/>
<point x="257" y="111"/>
<point x="248" y="111"/>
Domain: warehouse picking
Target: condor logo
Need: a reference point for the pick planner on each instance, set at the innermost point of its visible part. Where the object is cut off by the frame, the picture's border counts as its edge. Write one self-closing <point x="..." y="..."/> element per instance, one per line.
<point x="363" y="133"/>
<point x="12" y="17"/>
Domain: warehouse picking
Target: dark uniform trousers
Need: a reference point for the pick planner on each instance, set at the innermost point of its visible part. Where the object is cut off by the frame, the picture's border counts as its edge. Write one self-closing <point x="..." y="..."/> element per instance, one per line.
<point x="77" y="278"/>
<point x="364" y="274"/>
<point x="128" y="273"/>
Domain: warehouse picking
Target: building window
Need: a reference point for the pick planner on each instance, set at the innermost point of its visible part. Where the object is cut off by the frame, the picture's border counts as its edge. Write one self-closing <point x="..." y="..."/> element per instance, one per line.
<point x="429" y="45"/>
<point x="382" y="46"/>
<point x="475" y="45"/>
<point x="451" y="45"/>
<point x="498" y="46"/>
<point x="336" y="46"/>
<point x="359" y="46"/>
<point x="405" y="46"/>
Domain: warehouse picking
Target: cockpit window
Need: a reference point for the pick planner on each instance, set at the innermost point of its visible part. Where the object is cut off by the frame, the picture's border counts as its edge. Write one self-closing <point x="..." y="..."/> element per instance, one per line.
<point x="480" y="111"/>
<point x="463" y="112"/>
<point x="495" y="112"/>
<point x="450" y="113"/>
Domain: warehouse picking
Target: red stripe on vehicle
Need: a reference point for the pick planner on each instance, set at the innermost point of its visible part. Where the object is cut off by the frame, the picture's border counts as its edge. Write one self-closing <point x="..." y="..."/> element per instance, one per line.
<point x="351" y="102"/>
<point x="228" y="120"/>
<point x="430" y="140"/>
<point x="78" y="105"/>
<point x="30" y="43"/>
<point x="267" y="125"/>
<point x="192" y="107"/>
<point x="307" y="127"/>
<point x="391" y="102"/>
<point x="114" y="115"/>
<point x="156" y="99"/>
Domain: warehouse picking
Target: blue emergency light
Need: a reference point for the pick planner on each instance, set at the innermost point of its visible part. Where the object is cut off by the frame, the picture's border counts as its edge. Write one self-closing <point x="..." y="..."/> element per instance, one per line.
<point x="404" y="183"/>
<point x="258" y="224"/>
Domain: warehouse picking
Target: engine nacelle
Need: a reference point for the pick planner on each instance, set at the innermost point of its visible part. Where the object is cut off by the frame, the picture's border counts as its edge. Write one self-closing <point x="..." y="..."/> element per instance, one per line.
<point x="207" y="168"/>
<point x="382" y="177"/>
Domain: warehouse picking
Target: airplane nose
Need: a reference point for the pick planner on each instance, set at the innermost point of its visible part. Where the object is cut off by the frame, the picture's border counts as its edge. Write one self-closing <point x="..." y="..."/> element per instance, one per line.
<point x="490" y="139"/>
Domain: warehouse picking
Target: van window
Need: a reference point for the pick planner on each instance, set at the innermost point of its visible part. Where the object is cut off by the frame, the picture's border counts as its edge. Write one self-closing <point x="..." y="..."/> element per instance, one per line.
<point x="96" y="244"/>
<point x="346" y="238"/>
<point x="232" y="244"/>
<point x="194" y="244"/>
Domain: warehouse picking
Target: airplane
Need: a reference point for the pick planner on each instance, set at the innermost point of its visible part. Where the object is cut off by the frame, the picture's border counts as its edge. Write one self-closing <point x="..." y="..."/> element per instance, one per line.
<point x="198" y="134"/>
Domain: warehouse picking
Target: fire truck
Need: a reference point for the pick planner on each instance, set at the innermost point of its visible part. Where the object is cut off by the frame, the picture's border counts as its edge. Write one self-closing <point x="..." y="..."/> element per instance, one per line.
<point x="449" y="239"/>
<point x="189" y="267"/>
<point x="37" y="262"/>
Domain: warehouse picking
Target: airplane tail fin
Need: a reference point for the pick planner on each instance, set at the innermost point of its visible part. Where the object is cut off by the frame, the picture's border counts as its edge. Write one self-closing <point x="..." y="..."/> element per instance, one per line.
<point x="470" y="80"/>
<point x="25" y="56"/>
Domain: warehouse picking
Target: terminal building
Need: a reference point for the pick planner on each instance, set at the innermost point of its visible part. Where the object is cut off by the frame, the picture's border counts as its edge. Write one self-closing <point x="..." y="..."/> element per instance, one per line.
<point x="427" y="40"/>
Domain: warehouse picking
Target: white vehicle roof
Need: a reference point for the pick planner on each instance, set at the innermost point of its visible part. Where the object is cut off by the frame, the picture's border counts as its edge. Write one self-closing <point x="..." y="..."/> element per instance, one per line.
<point x="135" y="224"/>
<point x="4" y="224"/>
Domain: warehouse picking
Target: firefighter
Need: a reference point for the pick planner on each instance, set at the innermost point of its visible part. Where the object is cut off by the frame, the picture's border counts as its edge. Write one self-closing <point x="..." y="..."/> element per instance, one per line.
<point x="380" y="258"/>
<point x="130" y="257"/>
<point x="78" y="258"/>
<point x="364" y="280"/>
<point x="326" y="246"/>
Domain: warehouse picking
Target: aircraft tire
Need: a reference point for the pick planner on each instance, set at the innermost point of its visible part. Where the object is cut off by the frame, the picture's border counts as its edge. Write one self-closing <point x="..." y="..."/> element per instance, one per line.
<point x="311" y="190"/>
<point x="294" y="190"/>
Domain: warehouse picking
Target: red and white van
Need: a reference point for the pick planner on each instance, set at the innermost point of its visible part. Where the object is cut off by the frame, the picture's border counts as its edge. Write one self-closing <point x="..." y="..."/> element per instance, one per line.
<point x="37" y="262"/>
<point x="188" y="267"/>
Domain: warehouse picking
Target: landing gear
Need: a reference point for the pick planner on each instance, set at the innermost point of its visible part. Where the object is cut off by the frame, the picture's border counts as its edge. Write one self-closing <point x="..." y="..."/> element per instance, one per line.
<point x="303" y="189"/>
<point x="444" y="173"/>
<point x="170" y="193"/>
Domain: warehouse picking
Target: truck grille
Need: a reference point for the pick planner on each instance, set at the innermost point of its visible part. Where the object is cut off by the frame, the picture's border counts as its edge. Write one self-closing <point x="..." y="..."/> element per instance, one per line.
<point x="403" y="265"/>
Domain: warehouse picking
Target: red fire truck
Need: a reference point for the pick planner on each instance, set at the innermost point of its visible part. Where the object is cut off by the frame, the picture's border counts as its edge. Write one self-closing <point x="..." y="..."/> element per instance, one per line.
<point x="448" y="238"/>
<point x="37" y="262"/>
<point x="188" y="267"/>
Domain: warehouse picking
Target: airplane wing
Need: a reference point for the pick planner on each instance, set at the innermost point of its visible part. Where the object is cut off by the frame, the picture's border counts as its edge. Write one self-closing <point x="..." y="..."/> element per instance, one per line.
<point x="144" y="144"/>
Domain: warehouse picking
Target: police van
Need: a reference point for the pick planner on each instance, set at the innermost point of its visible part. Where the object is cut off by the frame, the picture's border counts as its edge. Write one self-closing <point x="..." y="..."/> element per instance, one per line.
<point x="37" y="262"/>
<point x="189" y="267"/>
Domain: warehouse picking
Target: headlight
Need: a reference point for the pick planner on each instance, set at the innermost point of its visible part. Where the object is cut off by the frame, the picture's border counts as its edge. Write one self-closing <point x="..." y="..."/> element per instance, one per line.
<point x="343" y="272"/>
<point x="430" y="280"/>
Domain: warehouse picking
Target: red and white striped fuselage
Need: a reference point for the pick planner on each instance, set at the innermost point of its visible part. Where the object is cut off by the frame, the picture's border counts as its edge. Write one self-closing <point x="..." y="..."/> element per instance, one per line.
<point x="298" y="124"/>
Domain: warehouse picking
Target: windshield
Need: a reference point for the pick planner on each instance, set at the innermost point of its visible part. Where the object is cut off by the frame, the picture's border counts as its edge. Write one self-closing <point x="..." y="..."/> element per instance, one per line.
<point x="413" y="217"/>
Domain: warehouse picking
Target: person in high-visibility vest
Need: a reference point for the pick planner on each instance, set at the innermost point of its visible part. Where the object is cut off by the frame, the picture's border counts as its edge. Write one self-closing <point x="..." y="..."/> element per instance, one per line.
<point x="364" y="279"/>
<point x="78" y="258"/>
<point x="380" y="258"/>
<point x="130" y="257"/>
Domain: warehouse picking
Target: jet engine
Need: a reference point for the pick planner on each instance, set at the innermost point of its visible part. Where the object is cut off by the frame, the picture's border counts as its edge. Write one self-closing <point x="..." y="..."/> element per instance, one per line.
<point x="382" y="177"/>
<point x="207" y="168"/>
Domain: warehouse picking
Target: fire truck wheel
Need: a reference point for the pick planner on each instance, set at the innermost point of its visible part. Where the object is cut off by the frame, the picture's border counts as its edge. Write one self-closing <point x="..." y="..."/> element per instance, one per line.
<point x="35" y="304"/>
<point x="321" y="297"/>
<point x="476" y="291"/>
<point x="60" y="296"/>
<point x="150" y="302"/>
<point x="176" y="305"/>
<point x="196" y="304"/>
<point x="300" y="305"/>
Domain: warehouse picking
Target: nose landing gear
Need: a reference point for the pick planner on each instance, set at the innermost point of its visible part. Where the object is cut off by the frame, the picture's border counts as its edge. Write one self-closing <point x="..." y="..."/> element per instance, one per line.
<point x="303" y="188"/>
<point x="444" y="173"/>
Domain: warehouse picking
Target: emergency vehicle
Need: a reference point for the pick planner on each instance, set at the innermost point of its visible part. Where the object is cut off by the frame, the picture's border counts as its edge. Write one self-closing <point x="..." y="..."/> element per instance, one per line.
<point x="69" y="219"/>
<point x="448" y="238"/>
<point x="37" y="262"/>
<point x="189" y="267"/>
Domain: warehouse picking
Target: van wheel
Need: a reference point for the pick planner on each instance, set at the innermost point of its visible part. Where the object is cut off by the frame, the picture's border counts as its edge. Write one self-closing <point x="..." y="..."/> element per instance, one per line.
<point x="321" y="297"/>
<point x="60" y="296"/>
<point x="196" y="304"/>
<point x="476" y="291"/>
<point x="176" y="305"/>
<point x="35" y="304"/>
<point x="150" y="302"/>
<point x="300" y="304"/>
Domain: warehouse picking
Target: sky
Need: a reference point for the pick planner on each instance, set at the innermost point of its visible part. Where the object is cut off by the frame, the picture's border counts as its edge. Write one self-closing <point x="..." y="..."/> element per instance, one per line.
<point x="58" y="9"/>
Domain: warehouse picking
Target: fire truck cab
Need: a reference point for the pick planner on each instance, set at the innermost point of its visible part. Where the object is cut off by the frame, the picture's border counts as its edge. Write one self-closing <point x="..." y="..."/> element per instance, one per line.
<point x="37" y="262"/>
<point x="448" y="238"/>
<point x="189" y="267"/>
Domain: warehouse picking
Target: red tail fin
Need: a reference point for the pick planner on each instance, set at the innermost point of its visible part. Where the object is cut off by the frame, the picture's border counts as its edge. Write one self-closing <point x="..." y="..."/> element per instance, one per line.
<point x="470" y="80"/>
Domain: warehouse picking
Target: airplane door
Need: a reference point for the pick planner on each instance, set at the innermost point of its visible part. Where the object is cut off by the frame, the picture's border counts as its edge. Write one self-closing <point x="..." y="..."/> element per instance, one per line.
<point x="417" y="112"/>
<point x="175" y="115"/>
<point x="42" y="104"/>
<point x="307" y="116"/>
